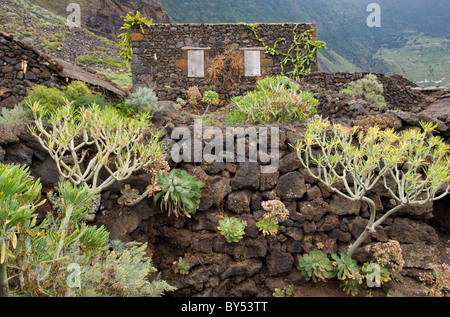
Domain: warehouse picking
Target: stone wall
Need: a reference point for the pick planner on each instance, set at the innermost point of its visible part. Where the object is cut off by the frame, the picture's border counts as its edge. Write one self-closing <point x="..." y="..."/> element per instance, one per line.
<point x="398" y="91"/>
<point x="160" y="54"/>
<point x="13" y="81"/>
<point x="257" y="264"/>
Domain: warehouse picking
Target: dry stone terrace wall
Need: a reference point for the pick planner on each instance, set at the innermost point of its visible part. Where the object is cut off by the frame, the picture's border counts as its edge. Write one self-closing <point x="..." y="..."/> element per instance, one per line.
<point x="397" y="90"/>
<point x="161" y="54"/>
<point x="13" y="81"/>
<point x="257" y="264"/>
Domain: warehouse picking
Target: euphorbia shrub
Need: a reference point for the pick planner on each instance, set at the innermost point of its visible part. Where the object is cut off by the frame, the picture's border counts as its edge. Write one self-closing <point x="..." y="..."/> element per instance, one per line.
<point x="415" y="161"/>
<point x="98" y="138"/>
<point x="276" y="100"/>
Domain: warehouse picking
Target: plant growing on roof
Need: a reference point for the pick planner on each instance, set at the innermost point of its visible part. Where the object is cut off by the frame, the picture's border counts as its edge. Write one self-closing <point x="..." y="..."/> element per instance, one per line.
<point x="416" y="161"/>
<point x="368" y="87"/>
<point x="144" y="99"/>
<point x="118" y="144"/>
<point x="125" y="43"/>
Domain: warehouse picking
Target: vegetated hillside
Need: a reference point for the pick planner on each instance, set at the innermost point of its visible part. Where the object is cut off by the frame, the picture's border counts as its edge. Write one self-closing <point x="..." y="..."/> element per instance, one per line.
<point x="47" y="31"/>
<point x="413" y="40"/>
<point x="103" y="17"/>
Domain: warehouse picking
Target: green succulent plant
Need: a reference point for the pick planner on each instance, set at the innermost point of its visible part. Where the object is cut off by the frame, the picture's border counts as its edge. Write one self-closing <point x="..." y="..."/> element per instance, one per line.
<point x="182" y="266"/>
<point x="269" y="225"/>
<point x="316" y="265"/>
<point x="180" y="193"/>
<point x="376" y="273"/>
<point x="128" y="195"/>
<point x="232" y="229"/>
<point x="345" y="266"/>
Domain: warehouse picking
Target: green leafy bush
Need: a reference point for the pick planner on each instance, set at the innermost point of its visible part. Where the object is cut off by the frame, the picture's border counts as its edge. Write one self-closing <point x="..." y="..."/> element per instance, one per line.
<point x="276" y="100"/>
<point x="287" y="291"/>
<point x="50" y="99"/>
<point x="376" y="273"/>
<point x="179" y="193"/>
<point x="19" y="194"/>
<point x="86" y="101"/>
<point x="128" y="195"/>
<point x="182" y="266"/>
<point x="38" y="255"/>
<point x="369" y="88"/>
<point x="144" y="99"/>
<point x="232" y="229"/>
<point x="77" y="89"/>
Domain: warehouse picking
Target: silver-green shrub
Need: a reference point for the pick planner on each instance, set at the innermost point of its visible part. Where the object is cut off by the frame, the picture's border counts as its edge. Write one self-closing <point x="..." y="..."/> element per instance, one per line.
<point x="144" y="100"/>
<point x="122" y="272"/>
<point x="15" y="116"/>
<point x="369" y="88"/>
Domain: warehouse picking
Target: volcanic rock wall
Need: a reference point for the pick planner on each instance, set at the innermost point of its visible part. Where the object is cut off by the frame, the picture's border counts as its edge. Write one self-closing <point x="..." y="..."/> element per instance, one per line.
<point x="254" y="266"/>
<point x="14" y="82"/>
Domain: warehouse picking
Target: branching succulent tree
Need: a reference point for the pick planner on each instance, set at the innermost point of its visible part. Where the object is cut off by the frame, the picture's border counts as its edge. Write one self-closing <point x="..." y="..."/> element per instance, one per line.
<point x="417" y="163"/>
<point x="109" y="140"/>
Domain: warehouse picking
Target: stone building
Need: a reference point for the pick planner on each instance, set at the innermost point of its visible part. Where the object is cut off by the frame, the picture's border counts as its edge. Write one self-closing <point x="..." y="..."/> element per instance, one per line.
<point x="177" y="56"/>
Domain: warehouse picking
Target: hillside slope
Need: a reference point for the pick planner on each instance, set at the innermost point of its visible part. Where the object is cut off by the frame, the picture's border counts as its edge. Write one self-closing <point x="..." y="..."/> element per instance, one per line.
<point x="405" y="43"/>
<point x="103" y="17"/>
<point x="47" y="31"/>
